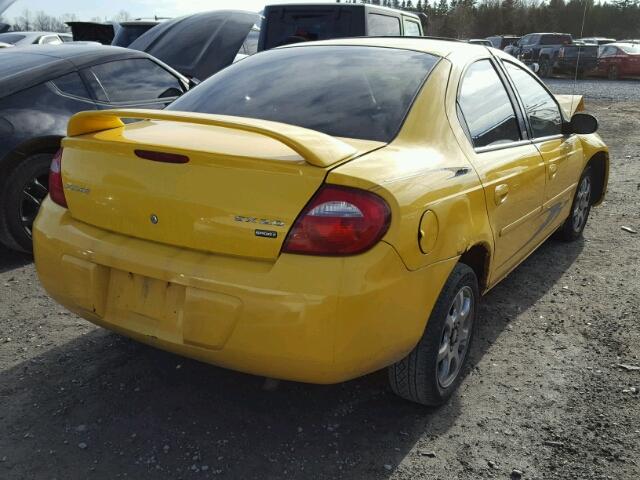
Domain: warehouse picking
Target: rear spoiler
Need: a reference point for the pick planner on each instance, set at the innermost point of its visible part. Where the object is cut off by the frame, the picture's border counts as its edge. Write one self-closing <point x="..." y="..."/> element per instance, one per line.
<point x="571" y="103"/>
<point x="316" y="148"/>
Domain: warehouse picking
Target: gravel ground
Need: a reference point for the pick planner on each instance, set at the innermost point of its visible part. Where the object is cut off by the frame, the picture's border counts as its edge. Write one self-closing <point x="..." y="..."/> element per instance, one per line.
<point x="544" y="398"/>
<point x="598" y="89"/>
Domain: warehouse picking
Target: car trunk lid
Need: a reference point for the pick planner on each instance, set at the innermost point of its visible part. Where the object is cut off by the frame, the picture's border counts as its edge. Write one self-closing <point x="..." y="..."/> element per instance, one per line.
<point x="240" y="190"/>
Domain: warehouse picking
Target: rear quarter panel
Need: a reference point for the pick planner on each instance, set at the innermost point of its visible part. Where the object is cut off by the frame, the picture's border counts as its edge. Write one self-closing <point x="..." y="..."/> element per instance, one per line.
<point x="422" y="170"/>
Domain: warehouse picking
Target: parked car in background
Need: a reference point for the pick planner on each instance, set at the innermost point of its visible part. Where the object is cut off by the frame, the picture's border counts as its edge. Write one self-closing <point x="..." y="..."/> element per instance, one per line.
<point x="4" y="27"/>
<point x="6" y="45"/>
<point x="619" y="60"/>
<point x="21" y="39"/>
<point x="201" y="44"/>
<point x="130" y="31"/>
<point x="503" y="41"/>
<point x="303" y="22"/>
<point x="296" y="217"/>
<point x="596" y="40"/>
<point x="480" y="41"/>
<point x="40" y="88"/>
<point x="101" y="32"/>
<point x="556" y="52"/>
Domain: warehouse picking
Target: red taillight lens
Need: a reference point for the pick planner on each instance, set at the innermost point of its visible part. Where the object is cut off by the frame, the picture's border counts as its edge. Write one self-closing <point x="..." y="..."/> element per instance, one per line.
<point x="56" y="189"/>
<point x="339" y="221"/>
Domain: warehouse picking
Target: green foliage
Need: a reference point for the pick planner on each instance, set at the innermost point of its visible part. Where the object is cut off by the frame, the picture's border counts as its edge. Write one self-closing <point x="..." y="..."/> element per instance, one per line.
<point x="479" y="19"/>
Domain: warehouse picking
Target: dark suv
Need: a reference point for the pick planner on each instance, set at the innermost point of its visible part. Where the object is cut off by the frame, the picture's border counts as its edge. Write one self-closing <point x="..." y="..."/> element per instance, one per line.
<point x="285" y="24"/>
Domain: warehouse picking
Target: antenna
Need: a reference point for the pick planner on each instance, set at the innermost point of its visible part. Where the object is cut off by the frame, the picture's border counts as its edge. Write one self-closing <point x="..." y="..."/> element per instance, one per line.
<point x="575" y="76"/>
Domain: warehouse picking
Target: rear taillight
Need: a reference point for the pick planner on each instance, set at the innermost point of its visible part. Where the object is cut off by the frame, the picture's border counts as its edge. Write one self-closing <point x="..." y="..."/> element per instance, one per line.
<point x="339" y="221"/>
<point x="56" y="189"/>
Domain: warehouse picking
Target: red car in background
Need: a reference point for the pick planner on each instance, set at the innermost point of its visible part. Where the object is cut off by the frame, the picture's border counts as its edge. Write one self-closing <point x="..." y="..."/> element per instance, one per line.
<point x="617" y="60"/>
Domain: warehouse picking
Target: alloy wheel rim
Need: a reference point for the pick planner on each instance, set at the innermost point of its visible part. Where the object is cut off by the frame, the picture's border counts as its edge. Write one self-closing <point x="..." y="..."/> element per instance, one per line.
<point x="582" y="202"/>
<point x="455" y="338"/>
<point x="33" y="194"/>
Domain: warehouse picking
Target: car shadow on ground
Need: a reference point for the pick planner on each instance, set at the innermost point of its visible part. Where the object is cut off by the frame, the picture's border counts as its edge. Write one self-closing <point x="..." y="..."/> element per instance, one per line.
<point x="10" y="260"/>
<point x="110" y="406"/>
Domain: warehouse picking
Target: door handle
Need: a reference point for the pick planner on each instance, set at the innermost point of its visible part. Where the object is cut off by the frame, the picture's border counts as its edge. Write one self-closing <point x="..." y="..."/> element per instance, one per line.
<point x="500" y="193"/>
<point x="553" y="169"/>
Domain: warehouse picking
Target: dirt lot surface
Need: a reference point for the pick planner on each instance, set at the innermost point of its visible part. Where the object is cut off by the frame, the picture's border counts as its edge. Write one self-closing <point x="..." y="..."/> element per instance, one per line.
<point x="545" y="394"/>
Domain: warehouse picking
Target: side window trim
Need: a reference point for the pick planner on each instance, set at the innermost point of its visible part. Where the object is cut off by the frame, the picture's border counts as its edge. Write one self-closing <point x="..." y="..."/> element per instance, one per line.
<point x="529" y="127"/>
<point x="516" y="108"/>
<point x="84" y="73"/>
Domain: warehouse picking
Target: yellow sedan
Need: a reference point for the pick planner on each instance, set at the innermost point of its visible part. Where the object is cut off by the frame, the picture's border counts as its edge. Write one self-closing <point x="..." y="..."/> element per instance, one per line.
<point x="320" y="211"/>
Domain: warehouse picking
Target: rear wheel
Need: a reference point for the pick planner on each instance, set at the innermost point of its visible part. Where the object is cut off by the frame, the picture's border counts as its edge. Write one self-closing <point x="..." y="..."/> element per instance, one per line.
<point x="433" y="369"/>
<point x="26" y="188"/>
<point x="613" y="73"/>
<point x="576" y="221"/>
<point x="545" y="69"/>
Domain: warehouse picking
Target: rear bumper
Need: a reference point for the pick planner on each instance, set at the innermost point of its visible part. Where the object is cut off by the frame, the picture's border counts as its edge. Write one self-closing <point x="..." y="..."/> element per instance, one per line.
<point x="304" y="318"/>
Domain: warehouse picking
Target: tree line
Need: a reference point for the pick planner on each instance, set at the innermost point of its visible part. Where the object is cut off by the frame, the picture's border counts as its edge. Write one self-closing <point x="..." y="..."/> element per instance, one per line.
<point x="479" y="19"/>
<point x="462" y="18"/>
<point x="40" y="21"/>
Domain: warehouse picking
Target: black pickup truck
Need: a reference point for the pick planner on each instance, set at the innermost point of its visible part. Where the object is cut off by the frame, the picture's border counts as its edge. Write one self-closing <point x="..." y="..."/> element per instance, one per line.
<point x="556" y="53"/>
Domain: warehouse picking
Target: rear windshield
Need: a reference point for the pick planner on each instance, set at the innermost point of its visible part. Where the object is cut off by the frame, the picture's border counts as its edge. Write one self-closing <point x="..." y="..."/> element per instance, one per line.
<point x="293" y="26"/>
<point x="367" y="98"/>
<point x="630" y="48"/>
<point x="15" y="62"/>
<point x="555" y="40"/>
<point x="11" y="37"/>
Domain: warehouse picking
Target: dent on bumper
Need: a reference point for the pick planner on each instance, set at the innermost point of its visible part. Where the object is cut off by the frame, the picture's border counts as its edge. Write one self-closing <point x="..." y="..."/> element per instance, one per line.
<point x="304" y="318"/>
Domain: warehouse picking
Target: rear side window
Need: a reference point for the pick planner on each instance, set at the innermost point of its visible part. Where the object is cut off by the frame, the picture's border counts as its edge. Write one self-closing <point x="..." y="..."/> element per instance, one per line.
<point x="71" y="84"/>
<point x="136" y="80"/>
<point x="289" y="25"/>
<point x="369" y="100"/>
<point x="383" y="25"/>
<point x="411" y="28"/>
<point x="555" y="40"/>
<point x="486" y="107"/>
<point x="250" y="45"/>
<point x="542" y="110"/>
<point x="50" y="40"/>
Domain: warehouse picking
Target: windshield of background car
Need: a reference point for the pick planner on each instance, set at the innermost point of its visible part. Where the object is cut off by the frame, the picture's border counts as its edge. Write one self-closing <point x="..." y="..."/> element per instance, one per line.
<point x="555" y="40"/>
<point x="630" y="48"/>
<point x="292" y="26"/>
<point x="344" y="91"/>
<point x="11" y="37"/>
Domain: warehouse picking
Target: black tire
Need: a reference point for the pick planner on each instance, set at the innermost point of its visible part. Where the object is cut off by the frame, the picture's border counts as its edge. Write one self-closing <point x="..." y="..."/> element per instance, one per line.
<point x="25" y="188"/>
<point x="612" y="73"/>
<point x="545" y="69"/>
<point x="416" y="377"/>
<point x="573" y="226"/>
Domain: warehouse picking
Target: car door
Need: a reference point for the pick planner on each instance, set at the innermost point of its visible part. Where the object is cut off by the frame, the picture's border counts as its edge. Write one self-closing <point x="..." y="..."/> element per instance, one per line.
<point x="133" y="82"/>
<point x="562" y="153"/>
<point x="510" y="167"/>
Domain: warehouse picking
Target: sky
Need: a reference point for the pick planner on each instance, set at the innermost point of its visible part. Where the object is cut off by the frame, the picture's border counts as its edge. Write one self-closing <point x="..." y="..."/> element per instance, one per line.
<point x="87" y="9"/>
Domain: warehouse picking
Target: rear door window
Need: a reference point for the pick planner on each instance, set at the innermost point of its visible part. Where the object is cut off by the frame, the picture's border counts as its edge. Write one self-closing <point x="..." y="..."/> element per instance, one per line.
<point x="486" y="107"/>
<point x="542" y="110"/>
<point x="135" y="80"/>
<point x="411" y="28"/>
<point x="383" y="25"/>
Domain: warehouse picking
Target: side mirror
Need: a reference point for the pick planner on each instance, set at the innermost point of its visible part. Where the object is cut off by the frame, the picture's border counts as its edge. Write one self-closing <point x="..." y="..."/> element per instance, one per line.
<point x="534" y="67"/>
<point x="583" y="123"/>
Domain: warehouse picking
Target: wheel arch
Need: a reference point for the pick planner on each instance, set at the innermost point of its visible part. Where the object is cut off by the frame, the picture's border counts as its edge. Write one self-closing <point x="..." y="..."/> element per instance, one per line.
<point x="599" y="164"/>
<point x="32" y="146"/>
<point x="478" y="258"/>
